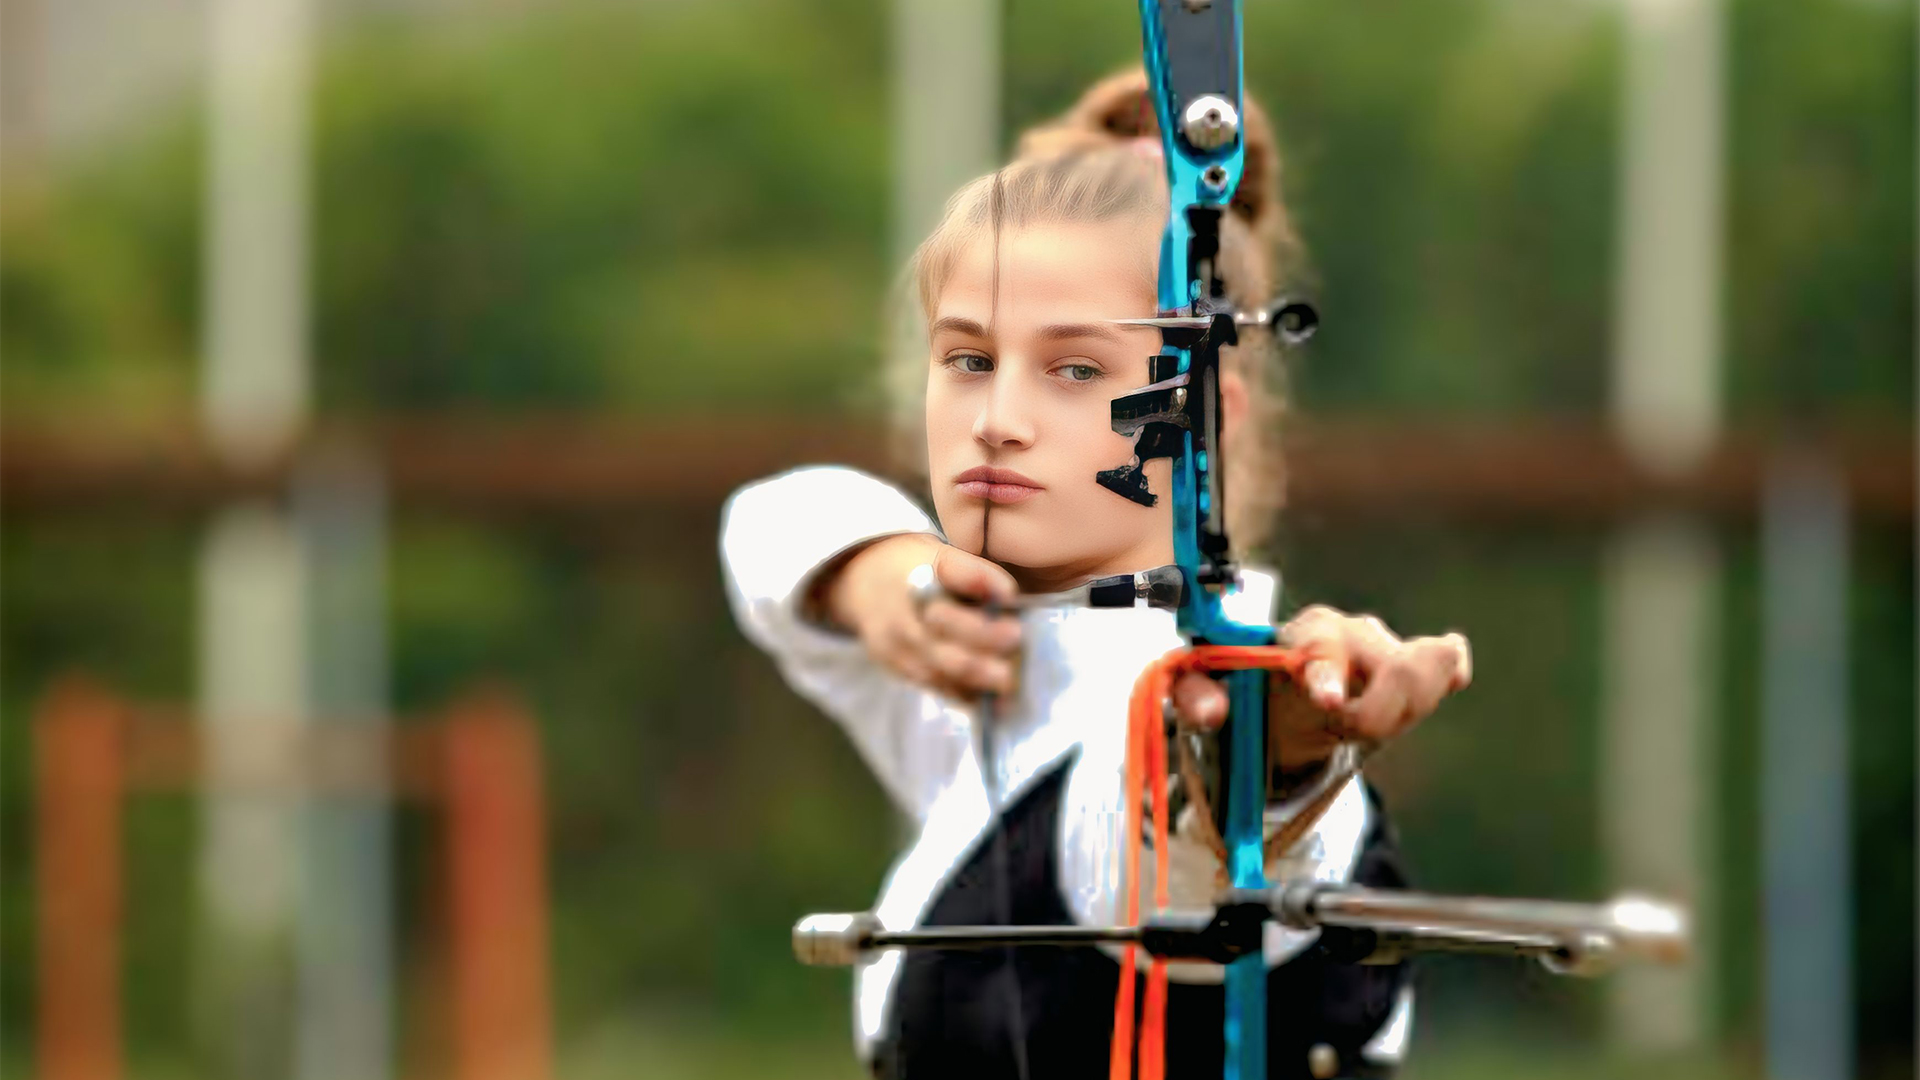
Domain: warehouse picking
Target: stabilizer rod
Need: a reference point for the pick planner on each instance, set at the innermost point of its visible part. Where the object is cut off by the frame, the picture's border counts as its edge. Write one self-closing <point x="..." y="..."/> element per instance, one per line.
<point x="1376" y="925"/>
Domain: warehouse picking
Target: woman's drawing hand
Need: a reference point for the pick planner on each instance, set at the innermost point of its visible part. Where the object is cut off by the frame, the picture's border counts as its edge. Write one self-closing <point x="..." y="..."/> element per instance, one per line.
<point x="930" y="627"/>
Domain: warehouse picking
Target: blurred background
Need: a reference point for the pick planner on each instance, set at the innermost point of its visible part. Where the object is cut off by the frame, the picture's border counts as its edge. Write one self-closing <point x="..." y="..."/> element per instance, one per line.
<point x="374" y="371"/>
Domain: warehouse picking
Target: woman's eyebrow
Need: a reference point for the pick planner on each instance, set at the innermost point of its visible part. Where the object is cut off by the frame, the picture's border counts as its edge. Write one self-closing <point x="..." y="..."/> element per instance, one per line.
<point x="959" y="324"/>
<point x="1065" y="331"/>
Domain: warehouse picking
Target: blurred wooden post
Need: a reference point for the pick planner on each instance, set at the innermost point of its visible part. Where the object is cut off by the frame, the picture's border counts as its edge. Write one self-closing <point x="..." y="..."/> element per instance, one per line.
<point x="480" y="768"/>
<point x="78" y="774"/>
<point x="496" y="866"/>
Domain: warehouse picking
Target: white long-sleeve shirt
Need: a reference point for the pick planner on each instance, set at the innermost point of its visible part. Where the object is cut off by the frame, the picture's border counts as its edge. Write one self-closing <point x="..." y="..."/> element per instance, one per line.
<point x="1077" y="671"/>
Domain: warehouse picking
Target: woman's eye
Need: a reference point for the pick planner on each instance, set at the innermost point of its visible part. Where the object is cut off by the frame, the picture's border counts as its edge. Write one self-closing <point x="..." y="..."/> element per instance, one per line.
<point x="1081" y="372"/>
<point x="967" y="363"/>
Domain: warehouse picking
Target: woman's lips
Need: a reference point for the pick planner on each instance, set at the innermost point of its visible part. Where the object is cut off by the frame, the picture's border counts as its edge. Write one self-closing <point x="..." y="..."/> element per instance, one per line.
<point x="996" y="485"/>
<point x="997" y="493"/>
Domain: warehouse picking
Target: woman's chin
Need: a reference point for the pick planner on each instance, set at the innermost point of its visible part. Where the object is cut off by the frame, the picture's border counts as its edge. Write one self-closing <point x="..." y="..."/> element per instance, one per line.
<point x="1042" y="567"/>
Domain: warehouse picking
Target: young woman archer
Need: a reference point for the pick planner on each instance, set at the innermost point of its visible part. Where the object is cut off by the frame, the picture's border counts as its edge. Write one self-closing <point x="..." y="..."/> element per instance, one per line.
<point x="1018" y="290"/>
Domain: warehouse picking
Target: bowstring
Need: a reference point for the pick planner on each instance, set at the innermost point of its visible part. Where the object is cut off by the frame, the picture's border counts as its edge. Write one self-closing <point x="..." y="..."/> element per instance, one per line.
<point x="989" y="708"/>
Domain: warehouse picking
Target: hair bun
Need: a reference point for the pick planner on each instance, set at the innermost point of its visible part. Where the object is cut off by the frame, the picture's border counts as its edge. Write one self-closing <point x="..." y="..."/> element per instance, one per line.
<point x="1116" y="109"/>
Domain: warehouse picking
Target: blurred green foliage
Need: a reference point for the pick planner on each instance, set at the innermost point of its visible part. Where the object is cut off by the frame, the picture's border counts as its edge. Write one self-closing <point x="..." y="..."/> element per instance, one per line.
<point x="632" y="209"/>
<point x="594" y="209"/>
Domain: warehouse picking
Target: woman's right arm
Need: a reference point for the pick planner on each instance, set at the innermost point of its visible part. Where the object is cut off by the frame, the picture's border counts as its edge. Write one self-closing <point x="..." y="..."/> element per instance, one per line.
<point x="817" y="563"/>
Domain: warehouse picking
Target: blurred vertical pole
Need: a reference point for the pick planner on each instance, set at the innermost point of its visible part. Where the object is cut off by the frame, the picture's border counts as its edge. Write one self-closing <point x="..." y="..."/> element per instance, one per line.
<point x="1662" y="666"/>
<point x="252" y="707"/>
<point x="497" y="891"/>
<point x="344" y="950"/>
<point x="79" y="771"/>
<point x="1806" y="840"/>
<point x="1661" y="638"/>
<point x="255" y="384"/>
<point x="254" y="691"/>
<point x="946" y="108"/>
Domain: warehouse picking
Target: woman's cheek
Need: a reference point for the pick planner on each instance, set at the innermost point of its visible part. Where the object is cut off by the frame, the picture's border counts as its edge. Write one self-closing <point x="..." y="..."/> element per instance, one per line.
<point x="942" y="464"/>
<point x="948" y="431"/>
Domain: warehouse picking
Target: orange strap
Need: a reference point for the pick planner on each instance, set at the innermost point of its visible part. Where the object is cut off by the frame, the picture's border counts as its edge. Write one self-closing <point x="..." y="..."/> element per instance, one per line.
<point x="1147" y="777"/>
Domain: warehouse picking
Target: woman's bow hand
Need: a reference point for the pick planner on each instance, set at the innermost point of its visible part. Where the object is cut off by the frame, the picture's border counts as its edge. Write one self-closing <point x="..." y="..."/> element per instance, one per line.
<point x="1361" y="682"/>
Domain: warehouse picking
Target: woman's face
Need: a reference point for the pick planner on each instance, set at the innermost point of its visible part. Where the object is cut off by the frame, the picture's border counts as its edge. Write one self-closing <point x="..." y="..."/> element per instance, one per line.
<point x="1019" y="391"/>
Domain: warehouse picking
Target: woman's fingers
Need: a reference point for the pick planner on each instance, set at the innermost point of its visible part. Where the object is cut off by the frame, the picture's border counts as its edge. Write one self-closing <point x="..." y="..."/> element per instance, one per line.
<point x="951" y="667"/>
<point x="1463" y="662"/>
<point x="1408" y="685"/>
<point x="1381" y="709"/>
<point x="1321" y="633"/>
<point x="1200" y="701"/>
<point x="946" y="639"/>
<point x="972" y="627"/>
<point x="1326" y="682"/>
<point x="969" y="669"/>
<point x="909" y="651"/>
<point x="1371" y="646"/>
<point x="968" y="644"/>
<point x="951" y="643"/>
<point x="902" y="646"/>
<point x="1374" y="684"/>
<point x="971" y="577"/>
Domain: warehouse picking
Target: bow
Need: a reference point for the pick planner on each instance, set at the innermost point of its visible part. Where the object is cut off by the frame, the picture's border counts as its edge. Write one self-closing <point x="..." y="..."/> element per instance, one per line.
<point x="1193" y="61"/>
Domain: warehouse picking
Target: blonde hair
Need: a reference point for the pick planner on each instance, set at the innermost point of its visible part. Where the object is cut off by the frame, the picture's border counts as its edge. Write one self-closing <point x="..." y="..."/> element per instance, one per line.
<point x="1116" y="109"/>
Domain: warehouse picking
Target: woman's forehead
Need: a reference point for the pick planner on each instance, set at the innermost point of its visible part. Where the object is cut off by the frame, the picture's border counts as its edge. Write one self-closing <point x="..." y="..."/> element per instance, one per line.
<point x="1053" y="273"/>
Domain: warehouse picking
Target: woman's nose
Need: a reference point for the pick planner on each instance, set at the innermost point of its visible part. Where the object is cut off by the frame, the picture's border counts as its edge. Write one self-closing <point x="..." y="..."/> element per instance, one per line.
<point x="1005" y="419"/>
